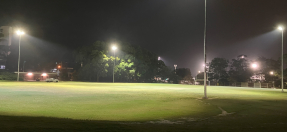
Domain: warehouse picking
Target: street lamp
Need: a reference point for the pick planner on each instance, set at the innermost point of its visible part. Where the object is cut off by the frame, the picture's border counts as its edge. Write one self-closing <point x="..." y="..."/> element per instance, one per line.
<point x="282" y="86"/>
<point x="114" y="48"/>
<point x="20" y="33"/>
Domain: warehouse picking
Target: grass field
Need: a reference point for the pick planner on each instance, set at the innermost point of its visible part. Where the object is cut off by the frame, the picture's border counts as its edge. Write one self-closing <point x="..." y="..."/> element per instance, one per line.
<point x="81" y="106"/>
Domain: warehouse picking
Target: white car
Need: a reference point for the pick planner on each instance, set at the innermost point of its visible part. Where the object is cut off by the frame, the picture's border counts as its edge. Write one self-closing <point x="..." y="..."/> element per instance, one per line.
<point x="52" y="80"/>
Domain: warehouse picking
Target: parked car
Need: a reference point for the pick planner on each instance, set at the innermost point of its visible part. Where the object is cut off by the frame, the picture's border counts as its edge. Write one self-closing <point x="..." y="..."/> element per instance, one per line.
<point x="52" y="80"/>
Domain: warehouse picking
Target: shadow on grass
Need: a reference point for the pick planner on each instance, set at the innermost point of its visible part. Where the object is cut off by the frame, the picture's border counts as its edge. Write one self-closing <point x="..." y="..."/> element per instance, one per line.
<point x="26" y="123"/>
<point x="250" y="115"/>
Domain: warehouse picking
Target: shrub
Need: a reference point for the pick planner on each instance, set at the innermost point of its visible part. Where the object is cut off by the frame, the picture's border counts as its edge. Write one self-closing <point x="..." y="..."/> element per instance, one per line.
<point x="8" y="76"/>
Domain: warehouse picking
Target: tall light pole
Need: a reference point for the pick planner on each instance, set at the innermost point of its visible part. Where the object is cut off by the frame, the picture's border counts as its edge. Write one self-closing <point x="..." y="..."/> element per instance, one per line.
<point x="114" y="49"/>
<point x="20" y="33"/>
<point x="205" y="94"/>
<point x="282" y="86"/>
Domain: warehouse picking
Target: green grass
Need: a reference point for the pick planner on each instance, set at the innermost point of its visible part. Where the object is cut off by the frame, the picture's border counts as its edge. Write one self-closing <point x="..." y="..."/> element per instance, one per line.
<point x="82" y="106"/>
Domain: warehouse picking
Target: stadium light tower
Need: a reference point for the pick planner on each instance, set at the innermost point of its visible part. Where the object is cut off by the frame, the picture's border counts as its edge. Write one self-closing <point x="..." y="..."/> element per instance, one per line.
<point x="114" y="48"/>
<point x="282" y="86"/>
<point x="20" y="33"/>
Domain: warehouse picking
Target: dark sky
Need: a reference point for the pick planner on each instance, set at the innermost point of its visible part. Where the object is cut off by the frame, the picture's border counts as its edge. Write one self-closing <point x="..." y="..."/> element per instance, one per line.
<point x="173" y="29"/>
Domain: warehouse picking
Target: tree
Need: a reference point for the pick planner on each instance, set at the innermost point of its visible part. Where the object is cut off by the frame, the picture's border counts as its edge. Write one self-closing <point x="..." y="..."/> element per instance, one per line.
<point x="163" y="71"/>
<point x="94" y="61"/>
<point x="268" y="65"/>
<point x="145" y="62"/>
<point x="184" y="74"/>
<point x="217" y="70"/>
<point x="239" y="70"/>
<point x="125" y="70"/>
<point x="132" y="63"/>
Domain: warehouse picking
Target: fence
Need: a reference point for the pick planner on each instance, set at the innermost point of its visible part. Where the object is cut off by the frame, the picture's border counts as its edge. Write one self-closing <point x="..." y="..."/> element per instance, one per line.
<point x="241" y="84"/>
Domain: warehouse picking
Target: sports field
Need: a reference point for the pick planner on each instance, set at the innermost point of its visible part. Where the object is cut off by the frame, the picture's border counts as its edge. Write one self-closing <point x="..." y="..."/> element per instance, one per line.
<point x="82" y="106"/>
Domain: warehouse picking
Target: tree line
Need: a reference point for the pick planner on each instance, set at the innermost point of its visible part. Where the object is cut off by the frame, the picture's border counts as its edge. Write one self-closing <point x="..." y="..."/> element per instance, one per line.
<point x="242" y="69"/>
<point x="136" y="64"/>
<point x="132" y="64"/>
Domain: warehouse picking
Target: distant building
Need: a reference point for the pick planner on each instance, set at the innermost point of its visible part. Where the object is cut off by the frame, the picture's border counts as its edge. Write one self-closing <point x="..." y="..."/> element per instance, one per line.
<point x="36" y="76"/>
<point x="5" y="43"/>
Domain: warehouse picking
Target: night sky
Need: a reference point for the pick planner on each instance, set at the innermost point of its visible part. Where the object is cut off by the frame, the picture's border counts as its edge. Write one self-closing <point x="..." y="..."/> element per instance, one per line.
<point x="173" y="29"/>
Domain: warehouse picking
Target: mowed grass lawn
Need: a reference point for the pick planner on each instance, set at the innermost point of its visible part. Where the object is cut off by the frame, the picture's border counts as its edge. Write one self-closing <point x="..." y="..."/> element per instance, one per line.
<point x="82" y="106"/>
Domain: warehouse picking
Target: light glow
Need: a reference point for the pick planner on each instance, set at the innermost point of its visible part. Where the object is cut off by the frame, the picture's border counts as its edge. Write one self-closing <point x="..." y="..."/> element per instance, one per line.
<point x="254" y="65"/>
<point x="271" y="73"/>
<point x="280" y="28"/>
<point x="30" y="74"/>
<point x="198" y="71"/>
<point x="158" y="58"/>
<point x="44" y="74"/>
<point x="114" y="48"/>
<point x="20" y="32"/>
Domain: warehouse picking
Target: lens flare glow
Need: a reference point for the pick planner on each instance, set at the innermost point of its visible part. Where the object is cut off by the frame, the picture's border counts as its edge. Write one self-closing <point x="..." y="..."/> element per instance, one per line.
<point x="20" y="32"/>
<point x="280" y="28"/>
<point x="114" y="48"/>
<point x="254" y="65"/>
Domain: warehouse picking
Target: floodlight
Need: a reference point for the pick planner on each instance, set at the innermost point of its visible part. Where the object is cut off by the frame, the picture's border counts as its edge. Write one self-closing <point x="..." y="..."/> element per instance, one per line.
<point x="114" y="48"/>
<point x="19" y="32"/>
<point x="254" y="65"/>
<point x="280" y="28"/>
